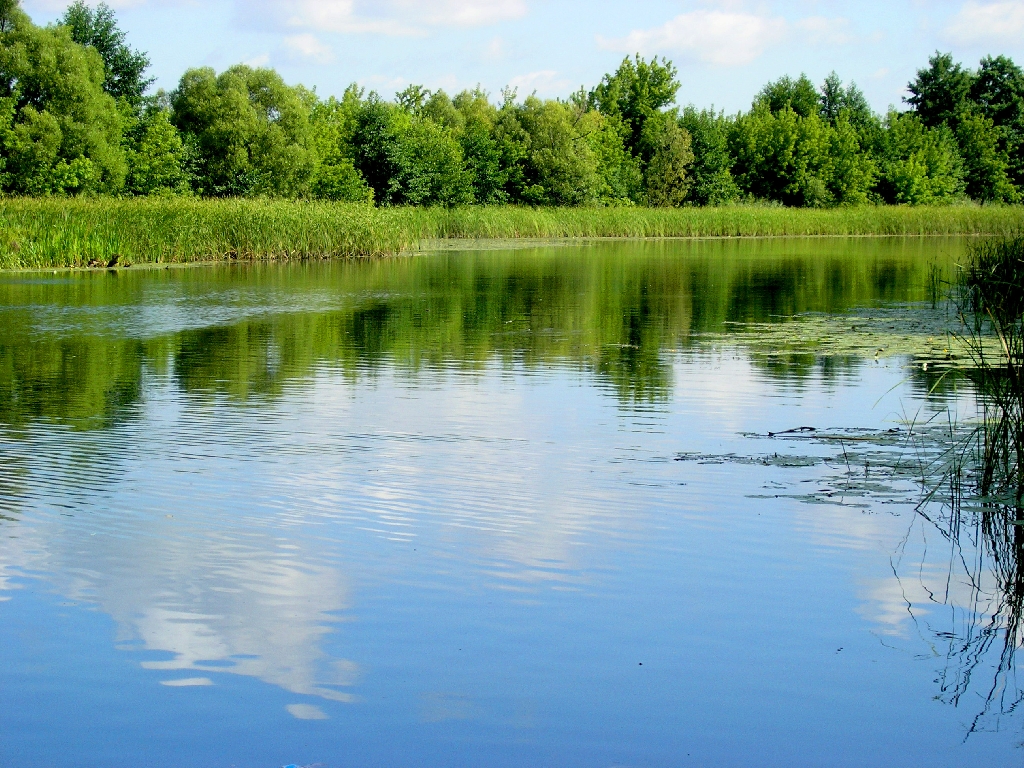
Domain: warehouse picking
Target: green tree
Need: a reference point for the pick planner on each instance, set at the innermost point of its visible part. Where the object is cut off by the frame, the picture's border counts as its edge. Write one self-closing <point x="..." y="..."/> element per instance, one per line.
<point x="433" y="171"/>
<point x="780" y="156"/>
<point x="852" y="170"/>
<point x="667" y="178"/>
<point x="837" y="101"/>
<point x="941" y="92"/>
<point x="638" y="90"/>
<point x="918" y="164"/>
<point x="797" y="160"/>
<point x="998" y="92"/>
<point x="800" y="95"/>
<point x="332" y="128"/>
<point x="125" y="68"/>
<point x="409" y="160"/>
<point x="251" y="132"/>
<point x="60" y="133"/>
<point x="156" y="155"/>
<point x="490" y="161"/>
<point x="560" y="167"/>
<point x="986" y="165"/>
<point x="711" y="180"/>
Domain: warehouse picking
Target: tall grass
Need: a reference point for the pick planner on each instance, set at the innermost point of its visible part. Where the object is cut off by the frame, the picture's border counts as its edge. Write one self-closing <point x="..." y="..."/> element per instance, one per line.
<point x="991" y="300"/>
<point x="68" y="233"/>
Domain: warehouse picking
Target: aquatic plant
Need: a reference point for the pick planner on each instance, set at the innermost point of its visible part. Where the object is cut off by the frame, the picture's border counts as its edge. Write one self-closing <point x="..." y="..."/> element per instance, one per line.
<point x="991" y="300"/>
<point x="47" y="233"/>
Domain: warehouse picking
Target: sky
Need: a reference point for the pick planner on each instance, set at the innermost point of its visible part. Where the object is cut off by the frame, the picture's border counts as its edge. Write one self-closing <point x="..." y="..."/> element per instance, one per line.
<point x="725" y="50"/>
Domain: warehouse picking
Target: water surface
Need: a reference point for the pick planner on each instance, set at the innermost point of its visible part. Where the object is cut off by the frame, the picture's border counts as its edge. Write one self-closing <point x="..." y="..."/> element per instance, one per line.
<point x="494" y="507"/>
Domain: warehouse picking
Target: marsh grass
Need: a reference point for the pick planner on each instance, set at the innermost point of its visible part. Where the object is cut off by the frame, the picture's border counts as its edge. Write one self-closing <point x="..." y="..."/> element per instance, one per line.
<point x="44" y="233"/>
<point x="990" y="299"/>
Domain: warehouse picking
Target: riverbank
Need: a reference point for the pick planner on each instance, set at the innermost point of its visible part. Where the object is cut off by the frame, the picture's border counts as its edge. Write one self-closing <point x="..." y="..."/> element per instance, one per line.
<point x="37" y="233"/>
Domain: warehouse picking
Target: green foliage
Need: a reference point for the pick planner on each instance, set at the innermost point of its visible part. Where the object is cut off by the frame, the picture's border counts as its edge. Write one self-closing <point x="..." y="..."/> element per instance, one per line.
<point x="125" y="69"/>
<point x="409" y="160"/>
<point x="638" y="90"/>
<point x="71" y="232"/>
<point x="919" y="165"/>
<point x="711" y="180"/>
<point x="332" y="127"/>
<point x="837" y="101"/>
<point x="489" y="162"/>
<point x="998" y="93"/>
<point x="852" y="171"/>
<point x="156" y="156"/>
<point x="667" y="174"/>
<point x="799" y="95"/>
<point x="59" y="132"/>
<point x="74" y="119"/>
<point x="986" y="164"/>
<point x="251" y="131"/>
<point x="799" y="160"/>
<point x="941" y="92"/>
<point x="561" y="168"/>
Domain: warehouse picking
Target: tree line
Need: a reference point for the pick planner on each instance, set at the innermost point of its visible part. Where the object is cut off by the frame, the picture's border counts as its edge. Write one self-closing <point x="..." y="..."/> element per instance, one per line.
<point x="77" y="117"/>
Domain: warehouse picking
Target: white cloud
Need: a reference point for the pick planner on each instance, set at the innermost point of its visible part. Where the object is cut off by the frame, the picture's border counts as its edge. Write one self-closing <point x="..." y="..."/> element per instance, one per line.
<point x="258" y="61"/>
<point x="546" y="81"/>
<point x="825" y="31"/>
<point x="987" y="22"/>
<point x="308" y="47"/>
<point x="715" y="37"/>
<point x="390" y="17"/>
<point x="465" y="13"/>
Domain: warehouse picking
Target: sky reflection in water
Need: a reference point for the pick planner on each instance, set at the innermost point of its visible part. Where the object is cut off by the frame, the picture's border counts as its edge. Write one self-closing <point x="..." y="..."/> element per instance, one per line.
<point x="427" y="512"/>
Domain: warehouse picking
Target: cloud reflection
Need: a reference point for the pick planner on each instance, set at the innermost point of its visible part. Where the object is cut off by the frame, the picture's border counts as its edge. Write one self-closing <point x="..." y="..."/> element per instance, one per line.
<point x="214" y="604"/>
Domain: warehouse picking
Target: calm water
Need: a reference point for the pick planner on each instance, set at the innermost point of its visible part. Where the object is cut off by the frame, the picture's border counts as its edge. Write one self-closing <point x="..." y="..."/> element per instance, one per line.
<point x="429" y="512"/>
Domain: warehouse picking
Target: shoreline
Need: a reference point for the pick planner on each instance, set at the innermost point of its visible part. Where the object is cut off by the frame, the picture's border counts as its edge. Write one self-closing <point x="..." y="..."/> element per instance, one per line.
<point x="48" y="234"/>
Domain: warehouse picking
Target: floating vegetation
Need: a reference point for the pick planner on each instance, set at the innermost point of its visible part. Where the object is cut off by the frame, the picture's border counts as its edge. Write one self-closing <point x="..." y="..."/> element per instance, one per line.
<point x="929" y="337"/>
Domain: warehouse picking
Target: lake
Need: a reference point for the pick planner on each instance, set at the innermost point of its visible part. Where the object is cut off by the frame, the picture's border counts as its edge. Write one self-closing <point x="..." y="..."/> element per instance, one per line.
<point x="512" y="505"/>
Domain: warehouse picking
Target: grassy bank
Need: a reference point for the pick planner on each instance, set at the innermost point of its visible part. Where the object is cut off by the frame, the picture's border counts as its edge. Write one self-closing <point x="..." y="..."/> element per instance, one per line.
<point x="73" y="233"/>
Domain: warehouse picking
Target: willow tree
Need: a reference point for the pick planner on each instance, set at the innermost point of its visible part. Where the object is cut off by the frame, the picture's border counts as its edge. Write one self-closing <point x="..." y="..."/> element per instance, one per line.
<point x="60" y="132"/>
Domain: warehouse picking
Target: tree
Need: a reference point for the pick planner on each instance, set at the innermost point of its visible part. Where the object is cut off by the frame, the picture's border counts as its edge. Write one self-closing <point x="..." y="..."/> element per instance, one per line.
<point x="250" y="129"/>
<point x="800" y="160"/>
<point x="711" y="181"/>
<point x="800" y="95"/>
<point x="666" y="177"/>
<point x="942" y="92"/>
<point x="125" y="68"/>
<point x="918" y="165"/>
<point x="836" y="101"/>
<point x="10" y="14"/>
<point x="986" y="164"/>
<point x="156" y="156"/>
<point x="636" y="91"/>
<point x="409" y="160"/>
<point x="779" y="156"/>
<point x="59" y="132"/>
<point x="490" y="161"/>
<point x="560" y="167"/>
<point x="998" y="92"/>
<point x="332" y="127"/>
<point x="852" y="171"/>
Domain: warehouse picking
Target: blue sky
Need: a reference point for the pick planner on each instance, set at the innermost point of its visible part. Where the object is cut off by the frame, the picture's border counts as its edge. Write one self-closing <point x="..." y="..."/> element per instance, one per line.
<point x="725" y="50"/>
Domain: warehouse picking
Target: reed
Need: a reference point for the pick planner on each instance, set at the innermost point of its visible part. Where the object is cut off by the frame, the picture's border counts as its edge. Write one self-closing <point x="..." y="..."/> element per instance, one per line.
<point x="44" y="233"/>
<point x="991" y="302"/>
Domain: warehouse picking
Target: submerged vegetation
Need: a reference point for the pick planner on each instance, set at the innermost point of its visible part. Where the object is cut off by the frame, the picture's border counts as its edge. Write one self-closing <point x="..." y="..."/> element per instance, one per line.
<point x="77" y="118"/>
